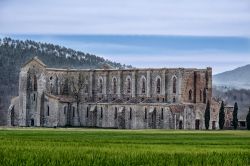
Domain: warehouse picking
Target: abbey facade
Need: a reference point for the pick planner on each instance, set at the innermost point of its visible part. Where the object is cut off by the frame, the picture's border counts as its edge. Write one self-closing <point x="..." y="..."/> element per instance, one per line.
<point x="164" y="98"/>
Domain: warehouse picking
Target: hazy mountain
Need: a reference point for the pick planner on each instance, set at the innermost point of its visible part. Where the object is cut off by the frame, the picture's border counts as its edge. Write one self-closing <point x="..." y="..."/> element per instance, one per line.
<point x="14" y="53"/>
<point x="234" y="86"/>
<point x="238" y="78"/>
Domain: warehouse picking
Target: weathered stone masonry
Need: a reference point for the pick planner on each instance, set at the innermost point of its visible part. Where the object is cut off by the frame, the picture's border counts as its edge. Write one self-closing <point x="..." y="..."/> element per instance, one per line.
<point x="169" y="98"/>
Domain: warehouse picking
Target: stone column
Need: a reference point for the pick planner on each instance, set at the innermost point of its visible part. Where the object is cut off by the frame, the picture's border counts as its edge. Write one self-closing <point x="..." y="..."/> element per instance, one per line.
<point x="22" y="97"/>
<point x="169" y="87"/>
<point x="40" y="90"/>
<point x="119" y="84"/>
<point x="148" y="83"/>
<point x="133" y="84"/>
<point x="105" y="83"/>
<point x="179" y="86"/>
<point x="163" y="83"/>
<point x="90" y="83"/>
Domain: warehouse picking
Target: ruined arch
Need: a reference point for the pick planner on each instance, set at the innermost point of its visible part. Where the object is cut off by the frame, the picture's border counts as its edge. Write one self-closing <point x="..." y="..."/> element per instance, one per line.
<point x="200" y="95"/>
<point x="204" y="95"/>
<point x="174" y="83"/>
<point x="158" y="85"/>
<point x="143" y="85"/>
<point x="34" y="83"/>
<point x="128" y="84"/>
<point x="114" y="82"/>
<point x="190" y="95"/>
<point x="100" y="84"/>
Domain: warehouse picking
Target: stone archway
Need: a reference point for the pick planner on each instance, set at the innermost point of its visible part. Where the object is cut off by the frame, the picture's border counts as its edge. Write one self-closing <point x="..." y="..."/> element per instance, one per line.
<point x="197" y="124"/>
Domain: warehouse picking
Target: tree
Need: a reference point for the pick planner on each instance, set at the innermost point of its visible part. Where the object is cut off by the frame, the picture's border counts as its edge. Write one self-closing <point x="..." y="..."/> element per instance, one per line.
<point x="235" y="119"/>
<point x="221" y="116"/>
<point x="248" y="120"/>
<point x="77" y="88"/>
<point x="207" y="115"/>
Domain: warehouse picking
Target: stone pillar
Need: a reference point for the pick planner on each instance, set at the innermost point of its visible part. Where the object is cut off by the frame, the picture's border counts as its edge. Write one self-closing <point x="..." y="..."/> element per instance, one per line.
<point x="105" y="83"/>
<point x="90" y="83"/>
<point x="185" y="118"/>
<point x="163" y="83"/>
<point x="133" y="84"/>
<point x="148" y="83"/>
<point x="179" y="86"/>
<point x="119" y="84"/>
<point x="22" y="97"/>
<point x="40" y="90"/>
<point x="209" y="83"/>
<point x="169" y="87"/>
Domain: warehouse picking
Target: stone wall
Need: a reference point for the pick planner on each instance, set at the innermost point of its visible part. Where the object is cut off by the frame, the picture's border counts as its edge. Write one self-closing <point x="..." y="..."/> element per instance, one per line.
<point x="170" y="98"/>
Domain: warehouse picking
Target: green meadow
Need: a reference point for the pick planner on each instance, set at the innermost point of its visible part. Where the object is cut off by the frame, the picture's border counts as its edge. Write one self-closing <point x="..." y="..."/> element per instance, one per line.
<point x="32" y="146"/>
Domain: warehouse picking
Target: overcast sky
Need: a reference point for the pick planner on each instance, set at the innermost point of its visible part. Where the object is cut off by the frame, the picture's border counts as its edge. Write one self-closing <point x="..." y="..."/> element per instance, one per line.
<point x="144" y="33"/>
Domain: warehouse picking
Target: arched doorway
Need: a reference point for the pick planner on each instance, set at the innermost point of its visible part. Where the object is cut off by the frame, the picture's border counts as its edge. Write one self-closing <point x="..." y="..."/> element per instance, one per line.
<point x="180" y="124"/>
<point x="32" y="123"/>
<point x="197" y="124"/>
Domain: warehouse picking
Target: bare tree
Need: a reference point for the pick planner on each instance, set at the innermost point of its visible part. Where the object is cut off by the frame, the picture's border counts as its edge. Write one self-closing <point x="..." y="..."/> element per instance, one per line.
<point x="78" y="86"/>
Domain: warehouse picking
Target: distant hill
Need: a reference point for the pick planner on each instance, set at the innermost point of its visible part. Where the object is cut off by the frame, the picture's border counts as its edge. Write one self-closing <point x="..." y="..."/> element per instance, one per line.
<point x="234" y="86"/>
<point x="238" y="78"/>
<point x="13" y="53"/>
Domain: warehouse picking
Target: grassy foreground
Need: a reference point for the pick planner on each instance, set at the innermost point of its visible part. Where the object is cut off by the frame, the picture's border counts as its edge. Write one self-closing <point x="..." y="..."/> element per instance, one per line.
<point x="123" y="147"/>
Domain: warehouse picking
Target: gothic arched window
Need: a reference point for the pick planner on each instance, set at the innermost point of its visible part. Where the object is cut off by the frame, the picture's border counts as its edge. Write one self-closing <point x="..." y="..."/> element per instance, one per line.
<point x="174" y="85"/>
<point x="114" y="85"/>
<point x="47" y="110"/>
<point x="190" y="94"/>
<point x="200" y="95"/>
<point x="143" y="89"/>
<point x="128" y="85"/>
<point x="158" y="85"/>
<point x="130" y="113"/>
<point x="35" y="83"/>
<point x="204" y="95"/>
<point x="100" y="85"/>
<point x="115" y="112"/>
<point x="101" y="112"/>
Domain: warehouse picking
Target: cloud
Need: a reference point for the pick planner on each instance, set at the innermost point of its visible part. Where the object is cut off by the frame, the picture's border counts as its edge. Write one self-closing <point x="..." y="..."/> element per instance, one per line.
<point x="161" y="17"/>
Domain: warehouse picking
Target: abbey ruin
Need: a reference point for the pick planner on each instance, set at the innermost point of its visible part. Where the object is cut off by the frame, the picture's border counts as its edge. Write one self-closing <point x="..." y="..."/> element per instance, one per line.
<point x="164" y="98"/>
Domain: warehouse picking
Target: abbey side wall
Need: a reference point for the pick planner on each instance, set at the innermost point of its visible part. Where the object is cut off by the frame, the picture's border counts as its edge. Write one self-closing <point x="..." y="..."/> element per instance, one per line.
<point x="113" y="98"/>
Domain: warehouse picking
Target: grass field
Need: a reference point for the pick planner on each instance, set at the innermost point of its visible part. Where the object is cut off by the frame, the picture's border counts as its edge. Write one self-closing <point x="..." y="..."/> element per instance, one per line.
<point x="123" y="147"/>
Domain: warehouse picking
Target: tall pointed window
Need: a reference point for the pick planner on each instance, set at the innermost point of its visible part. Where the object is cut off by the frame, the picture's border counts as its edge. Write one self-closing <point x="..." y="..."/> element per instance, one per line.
<point x="115" y="112"/>
<point x="100" y="85"/>
<point x="200" y="95"/>
<point x="114" y="85"/>
<point x="128" y="85"/>
<point x="130" y="113"/>
<point x="158" y="85"/>
<point x="47" y="110"/>
<point x="174" y="85"/>
<point x="143" y="89"/>
<point x="204" y="96"/>
<point x="190" y="95"/>
<point x="35" y="83"/>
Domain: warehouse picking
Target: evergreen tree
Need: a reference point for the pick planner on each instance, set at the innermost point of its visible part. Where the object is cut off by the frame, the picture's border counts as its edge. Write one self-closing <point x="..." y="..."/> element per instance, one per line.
<point x="235" y="119"/>
<point x="207" y="115"/>
<point x="221" y="116"/>
<point x="248" y="120"/>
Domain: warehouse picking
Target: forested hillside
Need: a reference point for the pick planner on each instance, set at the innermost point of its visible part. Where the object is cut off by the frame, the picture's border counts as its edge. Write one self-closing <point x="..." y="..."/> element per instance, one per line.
<point x="13" y="53"/>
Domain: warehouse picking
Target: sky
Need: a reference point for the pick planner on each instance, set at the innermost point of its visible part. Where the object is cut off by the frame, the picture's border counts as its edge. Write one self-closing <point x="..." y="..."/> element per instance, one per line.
<point x="142" y="33"/>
